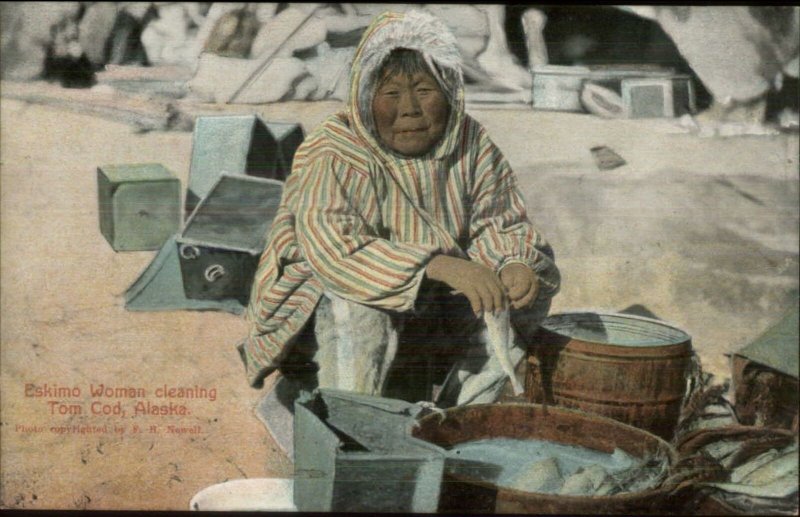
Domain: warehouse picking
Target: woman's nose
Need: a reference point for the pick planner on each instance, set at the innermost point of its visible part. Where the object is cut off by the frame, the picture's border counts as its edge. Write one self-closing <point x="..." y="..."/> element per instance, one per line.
<point x="409" y="105"/>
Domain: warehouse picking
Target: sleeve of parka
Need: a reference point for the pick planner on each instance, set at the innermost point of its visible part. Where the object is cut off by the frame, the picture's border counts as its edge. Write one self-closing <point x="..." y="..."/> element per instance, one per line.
<point x="344" y="251"/>
<point x="500" y="231"/>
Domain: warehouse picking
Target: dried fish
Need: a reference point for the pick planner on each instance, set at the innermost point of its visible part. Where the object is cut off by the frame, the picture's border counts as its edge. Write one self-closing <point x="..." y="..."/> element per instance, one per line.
<point x="722" y="448"/>
<point x="541" y="466"/>
<point x="541" y="476"/>
<point x="642" y="477"/>
<point x="586" y="481"/>
<point x="704" y="395"/>
<point x="705" y="406"/>
<point x="713" y="422"/>
<point x="607" y="487"/>
<point x="744" y="470"/>
<point x="767" y="484"/>
<point x="781" y="487"/>
<point x="501" y="340"/>
<point x="755" y="446"/>
<point x="749" y="504"/>
<point x="621" y="460"/>
<point x="784" y="464"/>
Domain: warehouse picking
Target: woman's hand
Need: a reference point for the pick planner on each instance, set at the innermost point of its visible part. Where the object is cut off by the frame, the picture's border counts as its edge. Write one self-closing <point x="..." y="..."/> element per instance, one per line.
<point x="520" y="284"/>
<point x="478" y="283"/>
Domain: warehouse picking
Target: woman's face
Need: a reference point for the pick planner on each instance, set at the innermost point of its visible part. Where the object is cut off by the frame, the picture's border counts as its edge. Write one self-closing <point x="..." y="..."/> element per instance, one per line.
<point x="410" y="112"/>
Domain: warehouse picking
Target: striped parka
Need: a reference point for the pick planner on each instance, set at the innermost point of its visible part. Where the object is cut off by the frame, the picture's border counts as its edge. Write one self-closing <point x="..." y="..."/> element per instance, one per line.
<point x="361" y="222"/>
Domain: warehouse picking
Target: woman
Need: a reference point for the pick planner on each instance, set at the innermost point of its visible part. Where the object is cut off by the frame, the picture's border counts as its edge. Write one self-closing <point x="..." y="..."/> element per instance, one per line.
<point x="401" y="222"/>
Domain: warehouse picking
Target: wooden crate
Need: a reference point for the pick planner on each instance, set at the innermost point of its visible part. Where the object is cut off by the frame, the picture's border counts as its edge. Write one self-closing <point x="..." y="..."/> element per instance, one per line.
<point x="240" y="145"/>
<point x="139" y="205"/>
<point x="658" y="97"/>
<point x="765" y="376"/>
<point x="354" y="453"/>
<point x="223" y="239"/>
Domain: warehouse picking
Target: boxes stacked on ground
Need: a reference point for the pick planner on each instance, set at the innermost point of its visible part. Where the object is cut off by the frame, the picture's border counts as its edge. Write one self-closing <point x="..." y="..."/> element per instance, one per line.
<point x="235" y="185"/>
<point x="658" y="97"/>
<point x="239" y="145"/>
<point x="630" y="91"/>
<point x="353" y="453"/>
<point x="223" y="239"/>
<point x="139" y="205"/>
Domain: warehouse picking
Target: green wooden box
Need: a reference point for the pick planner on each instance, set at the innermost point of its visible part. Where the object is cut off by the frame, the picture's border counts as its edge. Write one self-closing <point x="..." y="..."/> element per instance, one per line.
<point x="239" y="144"/>
<point x="665" y="97"/>
<point x="223" y="239"/>
<point x="354" y="453"/>
<point x="139" y="205"/>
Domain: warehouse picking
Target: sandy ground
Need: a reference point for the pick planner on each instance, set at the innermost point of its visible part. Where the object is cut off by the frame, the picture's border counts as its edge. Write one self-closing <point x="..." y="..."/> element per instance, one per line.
<point x="704" y="232"/>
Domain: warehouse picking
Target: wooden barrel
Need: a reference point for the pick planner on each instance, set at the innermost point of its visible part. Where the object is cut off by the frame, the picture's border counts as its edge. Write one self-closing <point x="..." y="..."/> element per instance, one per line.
<point x="629" y="368"/>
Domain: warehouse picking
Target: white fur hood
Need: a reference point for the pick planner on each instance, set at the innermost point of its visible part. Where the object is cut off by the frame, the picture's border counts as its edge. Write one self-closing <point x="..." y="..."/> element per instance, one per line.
<point x="416" y="30"/>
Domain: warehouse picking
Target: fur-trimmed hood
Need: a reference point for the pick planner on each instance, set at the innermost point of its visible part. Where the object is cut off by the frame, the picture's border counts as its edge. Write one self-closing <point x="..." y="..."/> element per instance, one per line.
<point x="416" y="30"/>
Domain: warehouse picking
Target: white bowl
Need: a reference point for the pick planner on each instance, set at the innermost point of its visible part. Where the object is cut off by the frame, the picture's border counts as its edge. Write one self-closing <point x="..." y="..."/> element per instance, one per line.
<point x="259" y="494"/>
